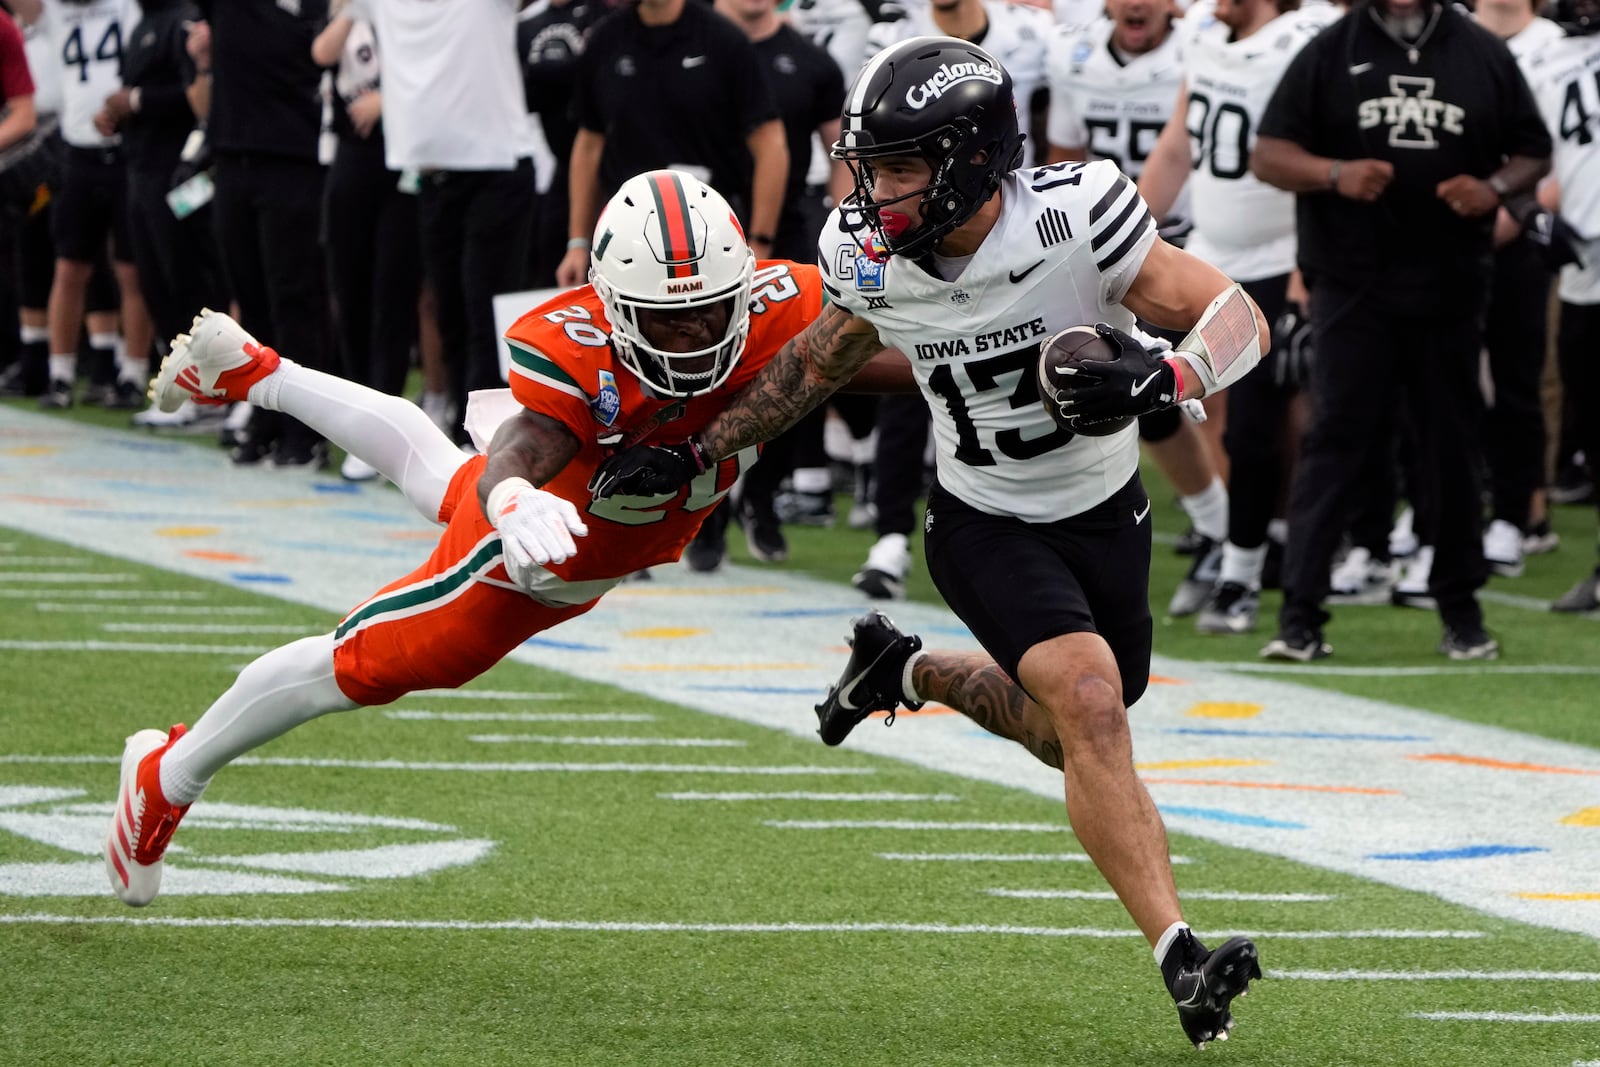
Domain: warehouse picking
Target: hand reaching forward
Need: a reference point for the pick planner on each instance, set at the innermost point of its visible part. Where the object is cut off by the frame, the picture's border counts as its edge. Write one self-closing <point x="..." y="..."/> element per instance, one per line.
<point x="535" y="527"/>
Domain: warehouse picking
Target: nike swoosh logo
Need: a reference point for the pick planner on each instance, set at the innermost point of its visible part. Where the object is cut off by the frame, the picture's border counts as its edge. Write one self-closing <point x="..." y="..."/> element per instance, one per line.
<point x="1360" y="68"/>
<point x="1139" y="387"/>
<point x="1018" y="275"/>
<point x="1138" y="516"/>
<point x="692" y="61"/>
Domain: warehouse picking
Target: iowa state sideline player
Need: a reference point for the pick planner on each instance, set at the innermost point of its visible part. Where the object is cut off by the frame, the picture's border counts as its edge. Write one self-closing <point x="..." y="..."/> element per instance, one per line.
<point x="1036" y="537"/>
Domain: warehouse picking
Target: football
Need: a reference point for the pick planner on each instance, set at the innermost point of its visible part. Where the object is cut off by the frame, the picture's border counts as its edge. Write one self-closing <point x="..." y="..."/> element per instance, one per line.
<point x="1070" y="347"/>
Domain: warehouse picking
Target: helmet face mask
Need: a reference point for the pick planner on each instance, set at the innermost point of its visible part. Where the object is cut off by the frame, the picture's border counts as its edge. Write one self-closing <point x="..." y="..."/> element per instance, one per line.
<point x="941" y="99"/>
<point x="668" y="247"/>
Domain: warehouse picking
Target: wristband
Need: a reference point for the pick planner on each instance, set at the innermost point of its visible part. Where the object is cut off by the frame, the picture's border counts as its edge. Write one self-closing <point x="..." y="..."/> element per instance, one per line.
<point x="1333" y="174"/>
<point x="501" y="495"/>
<point x="1177" y="375"/>
<point x="1498" y="184"/>
<point x="577" y="242"/>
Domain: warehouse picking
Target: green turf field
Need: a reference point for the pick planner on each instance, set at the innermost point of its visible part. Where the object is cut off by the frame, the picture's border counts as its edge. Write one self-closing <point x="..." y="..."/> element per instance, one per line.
<point x="447" y="912"/>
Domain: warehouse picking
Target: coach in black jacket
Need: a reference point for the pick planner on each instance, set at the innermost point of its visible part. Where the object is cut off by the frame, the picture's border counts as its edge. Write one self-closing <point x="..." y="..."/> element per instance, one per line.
<point x="1401" y="128"/>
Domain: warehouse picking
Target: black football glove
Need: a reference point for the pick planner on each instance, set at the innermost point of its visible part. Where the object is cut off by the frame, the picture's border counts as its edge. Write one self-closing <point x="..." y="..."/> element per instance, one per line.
<point x="1136" y="383"/>
<point x="1556" y="241"/>
<point x="1292" y="351"/>
<point x="647" y="470"/>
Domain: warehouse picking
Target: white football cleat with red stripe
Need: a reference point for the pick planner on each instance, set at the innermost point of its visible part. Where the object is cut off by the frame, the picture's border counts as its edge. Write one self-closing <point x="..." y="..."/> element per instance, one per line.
<point x="143" y="822"/>
<point x="216" y="362"/>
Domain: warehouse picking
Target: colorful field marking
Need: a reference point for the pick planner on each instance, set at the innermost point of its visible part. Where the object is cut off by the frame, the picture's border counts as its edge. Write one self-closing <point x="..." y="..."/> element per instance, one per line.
<point x="1199" y="764"/>
<point x="264" y="579"/>
<point x="1585" y="817"/>
<point x="215" y="556"/>
<point x="666" y="633"/>
<point x="1294" y="735"/>
<point x="30" y="451"/>
<point x="1214" y="709"/>
<point x="1499" y="764"/>
<point x="1288" y="786"/>
<point x="47" y="501"/>
<point x="1560" y="896"/>
<point x="188" y="531"/>
<point x="1161" y="679"/>
<point x="1470" y="852"/>
<point x="1237" y="818"/>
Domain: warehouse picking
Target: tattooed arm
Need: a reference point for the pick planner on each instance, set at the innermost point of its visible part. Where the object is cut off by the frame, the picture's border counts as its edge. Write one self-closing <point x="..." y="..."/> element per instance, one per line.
<point x="528" y="445"/>
<point x="804" y="373"/>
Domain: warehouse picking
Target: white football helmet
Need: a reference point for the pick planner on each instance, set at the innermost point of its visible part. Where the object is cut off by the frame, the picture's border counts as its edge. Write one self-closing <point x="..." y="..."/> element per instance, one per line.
<point x="665" y="241"/>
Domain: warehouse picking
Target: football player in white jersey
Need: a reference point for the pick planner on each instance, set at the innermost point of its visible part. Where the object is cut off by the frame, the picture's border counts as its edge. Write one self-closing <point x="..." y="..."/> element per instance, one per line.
<point x="1565" y="78"/>
<point x="1515" y="339"/>
<point x="1112" y="88"/>
<point x="1037" y="537"/>
<point x="90" y="208"/>
<point x="1234" y="56"/>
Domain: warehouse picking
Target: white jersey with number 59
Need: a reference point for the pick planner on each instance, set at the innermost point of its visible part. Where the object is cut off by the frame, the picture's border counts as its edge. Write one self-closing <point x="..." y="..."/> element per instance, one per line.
<point x="1114" y="109"/>
<point x="87" y="41"/>
<point x="1069" y="242"/>
<point x="1564" y="75"/>
<point x="1242" y="226"/>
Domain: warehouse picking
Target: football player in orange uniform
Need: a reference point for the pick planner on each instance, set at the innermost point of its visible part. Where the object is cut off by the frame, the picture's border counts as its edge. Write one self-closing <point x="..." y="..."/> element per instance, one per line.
<point x="678" y="318"/>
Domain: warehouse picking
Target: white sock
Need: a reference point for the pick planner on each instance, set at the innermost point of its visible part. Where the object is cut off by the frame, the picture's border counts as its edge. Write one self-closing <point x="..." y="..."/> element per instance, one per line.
<point x="112" y="341"/>
<point x="812" y="479"/>
<point x="284" y="688"/>
<point x="64" y="367"/>
<point x="1208" y="510"/>
<point x="30" y="335"/>
<point x="1164" y="942"/>
<point x="908" y="688"/>
<point x="1243" y="566"/>
<point x="389" y="432"/>
<point x="1278" y="530"/>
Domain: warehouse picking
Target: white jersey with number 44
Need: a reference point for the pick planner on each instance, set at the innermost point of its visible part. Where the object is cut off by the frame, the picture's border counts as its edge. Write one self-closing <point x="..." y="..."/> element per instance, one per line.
<point x="87" y="41"/>
<point x="1564" y="74"/>
<point x="1069" y="242"/>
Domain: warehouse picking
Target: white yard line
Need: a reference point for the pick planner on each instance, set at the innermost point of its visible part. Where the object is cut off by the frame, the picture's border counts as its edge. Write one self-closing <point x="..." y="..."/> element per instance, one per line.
<point x="1505" y="1017"/>
<point x="140" y="647"/>
<point x="203" y="628"/>
<point x="482" y="768"/>
<point x="584" y="926"/>
<point x="417" y="715"/>
<point x="106" y="594"/>
<point x="911" y="824"/>
<point x="868" y="798"/>
<point x="93" y="608"/>
<point x="998" y="857"/>
<point x="1437" y="976"/>
<point x="64" y="577"/>
<point x="607" y="742"/>
<point x="1197" y="894"/>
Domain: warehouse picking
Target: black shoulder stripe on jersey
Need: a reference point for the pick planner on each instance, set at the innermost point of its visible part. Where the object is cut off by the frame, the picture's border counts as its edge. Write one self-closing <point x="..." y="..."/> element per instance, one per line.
<point x="1103" y="234"/>
<point x="1118" y="187"/>
<point x="1112" y="258"/>
<point x="832" y="291"/>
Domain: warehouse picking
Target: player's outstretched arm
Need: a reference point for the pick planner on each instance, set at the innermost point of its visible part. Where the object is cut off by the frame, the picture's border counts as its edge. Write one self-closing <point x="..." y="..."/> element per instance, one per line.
<point x="535" y="527"/>
<point x="1228" y="334"/>
<point x="805" y="372"/>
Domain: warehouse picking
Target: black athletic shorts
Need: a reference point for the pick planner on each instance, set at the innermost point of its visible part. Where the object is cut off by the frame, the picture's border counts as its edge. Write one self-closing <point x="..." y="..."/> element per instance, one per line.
<point x="91" y="204"/>
<point x="1016" y="584"/>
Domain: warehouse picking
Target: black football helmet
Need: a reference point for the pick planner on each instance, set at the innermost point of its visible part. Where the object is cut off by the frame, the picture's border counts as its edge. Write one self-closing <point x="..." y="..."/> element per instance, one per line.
<point x="1578" y="17"/>
<point x="943" y="99"/>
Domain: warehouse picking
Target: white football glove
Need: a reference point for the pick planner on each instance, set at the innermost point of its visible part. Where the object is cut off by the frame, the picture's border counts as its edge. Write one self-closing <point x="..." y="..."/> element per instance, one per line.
<point x="535" y="527"/>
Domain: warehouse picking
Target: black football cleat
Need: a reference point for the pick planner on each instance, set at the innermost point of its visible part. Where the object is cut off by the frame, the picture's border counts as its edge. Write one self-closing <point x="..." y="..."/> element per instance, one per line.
<point x="1204" y="983"/>
<point x="871" y="680"/>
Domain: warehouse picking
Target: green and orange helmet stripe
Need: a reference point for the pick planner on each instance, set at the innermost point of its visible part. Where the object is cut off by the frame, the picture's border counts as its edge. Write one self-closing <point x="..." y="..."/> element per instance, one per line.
<point x="681" y="253"/>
